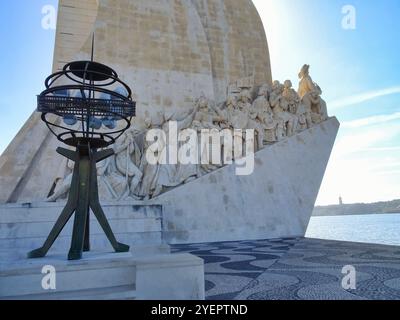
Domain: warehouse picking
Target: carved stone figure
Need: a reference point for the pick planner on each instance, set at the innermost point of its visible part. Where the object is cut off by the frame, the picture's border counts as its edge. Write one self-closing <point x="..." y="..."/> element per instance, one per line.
<point x="281" y="131"/>
<point x="247" y="117"/>
<point x="112" y="186"/>
<point x="63" y="183"/>
<point x="127" y="160"/>
<point x="148" y="184"/>
<point x="220" y="114"/>
<point x="304" y="118"/>
<point x="204" y="119"/>
<point x="261" y="112"/>
<point x="270" y="126"/>
<point x="286" y="120"/>
<point x="204" y="115"/>
<point x="306" y="84"/>
<point x="171" y="175"/>
<point x="260" y="104"/>
<point x="291" y="97"/>
<point x="238" y="117"/>
<point x="310" y="94"/>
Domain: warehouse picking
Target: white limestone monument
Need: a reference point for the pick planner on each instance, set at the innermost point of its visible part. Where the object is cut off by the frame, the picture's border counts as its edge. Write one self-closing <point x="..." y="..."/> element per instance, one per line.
<point x="203" y="64"/>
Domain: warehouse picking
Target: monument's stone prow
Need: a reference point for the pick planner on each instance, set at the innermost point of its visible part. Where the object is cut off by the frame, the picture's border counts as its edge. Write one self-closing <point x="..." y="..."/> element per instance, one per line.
<point x="276" y="201"/>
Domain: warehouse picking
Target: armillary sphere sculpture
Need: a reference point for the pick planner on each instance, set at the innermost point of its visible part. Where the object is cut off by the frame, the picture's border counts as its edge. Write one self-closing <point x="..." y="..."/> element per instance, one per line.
<point x="87" y="107"/>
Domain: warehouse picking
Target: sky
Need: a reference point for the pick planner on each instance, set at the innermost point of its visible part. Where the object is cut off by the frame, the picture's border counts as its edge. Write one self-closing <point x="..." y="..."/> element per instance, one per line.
<point x="358" y="70"/>
<point x="26" y="58"/>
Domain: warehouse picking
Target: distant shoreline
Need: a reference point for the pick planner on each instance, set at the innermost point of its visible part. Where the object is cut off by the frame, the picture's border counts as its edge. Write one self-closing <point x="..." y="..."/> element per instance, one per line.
<point x="353" y="214"/>
<point x="388" y="207"/>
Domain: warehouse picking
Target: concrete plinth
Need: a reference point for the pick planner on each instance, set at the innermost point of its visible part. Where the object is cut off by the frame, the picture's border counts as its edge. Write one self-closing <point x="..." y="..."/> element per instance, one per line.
<point x="24" y="227"/>
<point x="170" y="277"/>
<point x="106" y="276"/>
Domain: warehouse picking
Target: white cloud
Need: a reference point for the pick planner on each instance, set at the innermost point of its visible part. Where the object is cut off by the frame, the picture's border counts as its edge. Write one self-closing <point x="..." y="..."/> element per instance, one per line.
<point x="371" y="120"/>
<point x="385" y="166"/>
<point x="363" y="97"/>
<point x="381" y="149"/>
<point x="362" y="177"/>
<point x="358" y="180"/>
<point x="358" y="141"/>
<point x="390" y="172"/>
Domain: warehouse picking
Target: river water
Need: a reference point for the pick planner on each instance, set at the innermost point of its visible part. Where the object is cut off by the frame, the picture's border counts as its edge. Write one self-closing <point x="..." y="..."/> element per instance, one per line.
<point x="375" y="228"/>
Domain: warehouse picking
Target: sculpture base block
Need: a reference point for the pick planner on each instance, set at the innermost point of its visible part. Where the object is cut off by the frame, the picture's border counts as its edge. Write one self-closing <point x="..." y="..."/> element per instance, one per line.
<point x="26" y="226"/>
<point x="114" y="276"/>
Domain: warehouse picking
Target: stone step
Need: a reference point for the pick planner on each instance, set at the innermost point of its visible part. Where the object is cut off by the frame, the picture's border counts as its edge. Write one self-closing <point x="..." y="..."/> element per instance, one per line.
<point x="24" y="278"/>
<point x="40" y="229"/>
<point x="26" y="227"/>
<point x="19" y="247"/>
<point x="49" y="212"/>
<point x="144" y="274"/>
<point x="111" y="293"/>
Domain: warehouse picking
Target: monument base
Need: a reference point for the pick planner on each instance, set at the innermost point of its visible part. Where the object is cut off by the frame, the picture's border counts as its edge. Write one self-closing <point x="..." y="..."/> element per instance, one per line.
<point x="113" y="276"/>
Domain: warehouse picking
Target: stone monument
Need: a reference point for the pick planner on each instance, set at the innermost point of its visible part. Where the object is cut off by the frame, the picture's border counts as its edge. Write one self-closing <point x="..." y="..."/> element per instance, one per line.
<point x="203" y="64"/>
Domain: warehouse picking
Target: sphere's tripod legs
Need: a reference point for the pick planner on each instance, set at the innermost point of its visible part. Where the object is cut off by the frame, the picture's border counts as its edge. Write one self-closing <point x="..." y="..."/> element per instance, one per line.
<point x="101" y="217"/>
<point x="82" y="210"/>
<point x="83" y="195"/>
<point x="55" y="232"/>
<point x="95" y="203"/>
<point x="61" y="221"/>
<point x="86" y="243"/>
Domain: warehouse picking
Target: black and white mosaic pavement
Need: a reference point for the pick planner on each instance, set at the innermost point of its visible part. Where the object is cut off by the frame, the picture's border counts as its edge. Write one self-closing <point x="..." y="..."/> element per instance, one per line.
<point x="300" y="268"/>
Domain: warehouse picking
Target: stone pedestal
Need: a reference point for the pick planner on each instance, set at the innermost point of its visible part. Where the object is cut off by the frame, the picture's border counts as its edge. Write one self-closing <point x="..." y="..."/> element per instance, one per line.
<point x="24" y="227"/>
<point x="170" y="277"/>
<point x="148" y="272"/>
<point x="106" y="276"/>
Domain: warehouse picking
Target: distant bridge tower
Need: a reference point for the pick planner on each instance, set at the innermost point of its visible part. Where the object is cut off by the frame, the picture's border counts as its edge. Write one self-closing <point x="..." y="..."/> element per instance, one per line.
<point x="340" y="201"/>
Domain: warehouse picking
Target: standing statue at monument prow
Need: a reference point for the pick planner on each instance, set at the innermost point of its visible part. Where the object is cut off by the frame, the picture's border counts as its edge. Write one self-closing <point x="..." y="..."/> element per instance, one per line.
<point x="310" y="94"/>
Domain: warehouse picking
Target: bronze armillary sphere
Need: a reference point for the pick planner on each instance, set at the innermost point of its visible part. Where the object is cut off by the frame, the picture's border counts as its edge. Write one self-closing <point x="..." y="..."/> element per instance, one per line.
<point x="86" y="106"/>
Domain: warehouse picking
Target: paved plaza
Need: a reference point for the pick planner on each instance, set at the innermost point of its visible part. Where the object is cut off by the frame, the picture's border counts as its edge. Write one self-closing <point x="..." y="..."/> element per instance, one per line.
<point x="297" y="268"/>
